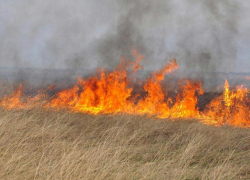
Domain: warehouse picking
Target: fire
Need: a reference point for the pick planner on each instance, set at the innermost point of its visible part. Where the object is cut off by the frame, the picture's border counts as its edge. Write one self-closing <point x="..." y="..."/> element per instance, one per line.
<point x="17" y="99"/>
<point x="13" y="100"/>
<point x="186" y="101"/>
<point x="104" y="93"/>
<point x="153" y="103"/>
<point x="231" y="107"/>
<point x="115" y="93"/>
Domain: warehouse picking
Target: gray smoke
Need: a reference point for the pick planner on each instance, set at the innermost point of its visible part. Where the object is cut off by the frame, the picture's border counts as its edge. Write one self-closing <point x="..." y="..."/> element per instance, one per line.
<point x="204" y="35"/>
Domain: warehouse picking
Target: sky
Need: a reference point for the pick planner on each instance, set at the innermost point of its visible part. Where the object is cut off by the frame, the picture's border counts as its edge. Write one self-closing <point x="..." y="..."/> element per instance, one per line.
<point x="204" y="35"/>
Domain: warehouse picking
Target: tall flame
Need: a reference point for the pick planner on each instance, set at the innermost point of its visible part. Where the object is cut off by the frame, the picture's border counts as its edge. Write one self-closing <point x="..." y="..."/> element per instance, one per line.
<point x="153" y="103"/>
<point x="231" y="107"/>
<point x="114" y="92"/>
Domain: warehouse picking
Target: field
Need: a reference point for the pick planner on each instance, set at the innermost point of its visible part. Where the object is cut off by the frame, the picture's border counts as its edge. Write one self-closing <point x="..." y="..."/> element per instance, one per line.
<point x="39" y="144"/>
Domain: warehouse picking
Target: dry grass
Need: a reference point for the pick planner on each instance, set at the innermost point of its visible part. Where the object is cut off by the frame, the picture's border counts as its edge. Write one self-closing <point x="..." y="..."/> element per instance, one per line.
<point x="38" y="144"/>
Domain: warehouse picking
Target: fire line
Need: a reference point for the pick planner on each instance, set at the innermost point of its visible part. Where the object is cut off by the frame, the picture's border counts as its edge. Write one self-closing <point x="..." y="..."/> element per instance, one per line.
<point x="112" y="93"/>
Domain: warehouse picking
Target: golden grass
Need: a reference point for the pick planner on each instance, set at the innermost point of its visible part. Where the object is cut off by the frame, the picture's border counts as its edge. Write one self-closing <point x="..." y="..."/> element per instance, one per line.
<point x="38" y="144"/>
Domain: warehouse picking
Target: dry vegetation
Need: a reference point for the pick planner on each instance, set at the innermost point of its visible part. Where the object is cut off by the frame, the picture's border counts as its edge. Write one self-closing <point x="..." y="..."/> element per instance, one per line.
<point x="38" y="144"/>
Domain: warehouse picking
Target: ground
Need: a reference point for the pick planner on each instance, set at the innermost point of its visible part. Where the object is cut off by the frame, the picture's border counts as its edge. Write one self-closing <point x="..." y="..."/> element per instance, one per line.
<point x="39" y="144"/>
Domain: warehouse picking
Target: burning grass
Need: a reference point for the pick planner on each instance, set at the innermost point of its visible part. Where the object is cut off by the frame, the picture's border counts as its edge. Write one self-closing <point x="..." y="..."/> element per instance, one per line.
<point x="39" y="144"/>
<point x="116" y="92"/>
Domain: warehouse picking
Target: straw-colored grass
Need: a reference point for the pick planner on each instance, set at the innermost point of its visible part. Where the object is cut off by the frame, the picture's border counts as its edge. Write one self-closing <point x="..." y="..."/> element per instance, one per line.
<point x="38" y="144"/>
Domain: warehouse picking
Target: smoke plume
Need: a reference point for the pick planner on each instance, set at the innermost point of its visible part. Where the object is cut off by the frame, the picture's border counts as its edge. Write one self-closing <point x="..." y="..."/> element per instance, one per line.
<point x="204" y="35"/>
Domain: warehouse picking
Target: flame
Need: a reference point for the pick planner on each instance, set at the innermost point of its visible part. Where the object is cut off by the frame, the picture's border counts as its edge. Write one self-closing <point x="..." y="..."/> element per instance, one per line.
<point x="230" y="108"/>
<point x="104" y="93"/>
<point x="114" y="92"/>
<point x="14" y="99"/>
<point x="186" y="101"/>
<point x="153" y="103"/>
<point x="17" y="100"/>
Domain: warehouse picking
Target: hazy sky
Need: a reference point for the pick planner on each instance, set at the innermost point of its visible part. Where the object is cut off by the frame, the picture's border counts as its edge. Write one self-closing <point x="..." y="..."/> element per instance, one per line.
<point x="204" y="35"/>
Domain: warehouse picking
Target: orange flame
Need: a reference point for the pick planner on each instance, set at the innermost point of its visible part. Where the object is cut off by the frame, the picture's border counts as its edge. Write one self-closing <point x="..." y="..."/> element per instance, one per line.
<point x="13" y="100"/>
<point x="153" y="103"/>
<point x="17" y="100"/>
<point x="113" y="92"/>
<point x="186" y="101"/>
<point x="230" y="108"/>
<point x="104" y="93"/>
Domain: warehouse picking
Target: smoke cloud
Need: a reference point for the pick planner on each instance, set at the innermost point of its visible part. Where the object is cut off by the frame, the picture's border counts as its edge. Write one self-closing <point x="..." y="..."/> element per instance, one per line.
<point x="204" y="35"/>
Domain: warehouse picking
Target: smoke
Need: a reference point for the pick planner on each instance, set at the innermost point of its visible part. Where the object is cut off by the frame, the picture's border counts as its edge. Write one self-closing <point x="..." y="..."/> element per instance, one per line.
<point x="204" y="35"/>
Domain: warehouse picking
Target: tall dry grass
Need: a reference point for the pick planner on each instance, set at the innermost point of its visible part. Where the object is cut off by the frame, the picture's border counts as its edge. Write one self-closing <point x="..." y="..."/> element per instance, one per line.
<point x="37" y="144"/>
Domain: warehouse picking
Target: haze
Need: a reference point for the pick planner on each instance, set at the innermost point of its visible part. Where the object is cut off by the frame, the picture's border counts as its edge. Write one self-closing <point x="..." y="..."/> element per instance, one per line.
<point x="203" y="35"/>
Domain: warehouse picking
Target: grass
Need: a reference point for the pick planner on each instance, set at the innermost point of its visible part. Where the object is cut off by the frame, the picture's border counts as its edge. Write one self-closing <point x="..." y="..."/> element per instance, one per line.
<point x="38" y="144"/>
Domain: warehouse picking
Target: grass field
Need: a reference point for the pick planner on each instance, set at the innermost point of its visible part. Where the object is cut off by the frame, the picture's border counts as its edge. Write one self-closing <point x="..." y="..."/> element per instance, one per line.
<point x="38" y="144"/>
